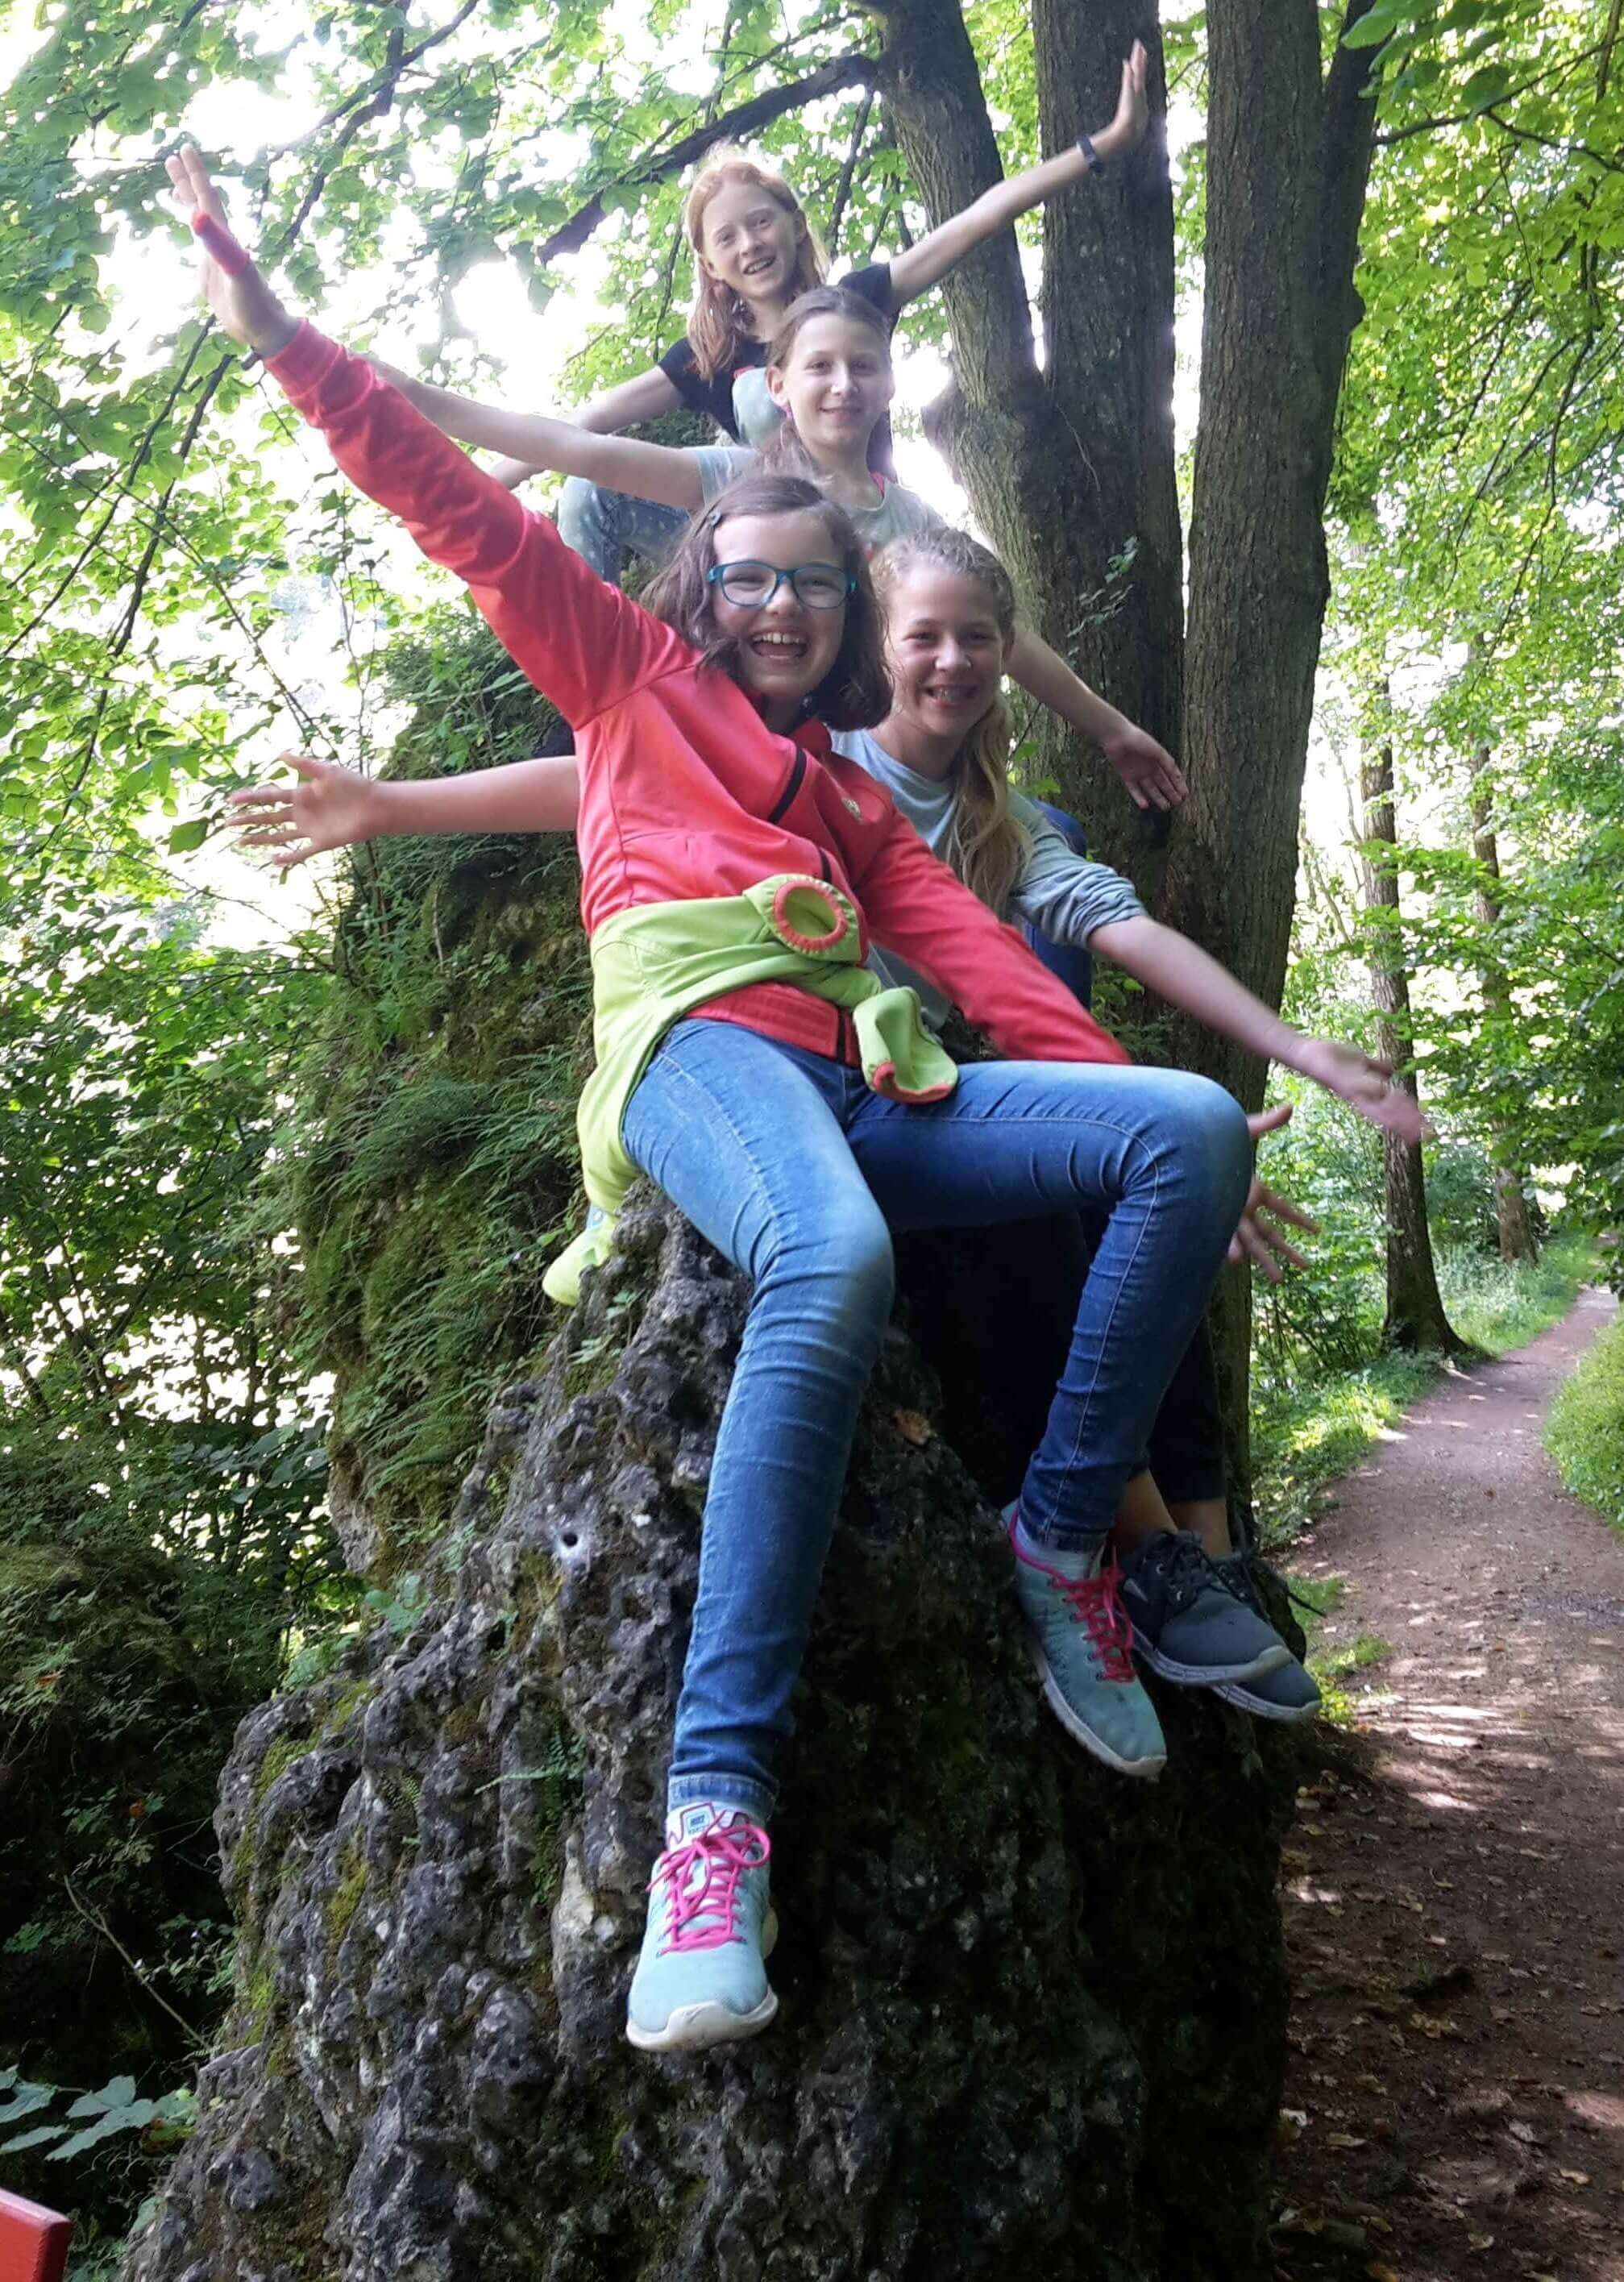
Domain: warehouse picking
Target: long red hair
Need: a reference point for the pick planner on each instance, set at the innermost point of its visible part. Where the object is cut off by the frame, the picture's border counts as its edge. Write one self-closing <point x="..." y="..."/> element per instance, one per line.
<point x="720" y="322"/>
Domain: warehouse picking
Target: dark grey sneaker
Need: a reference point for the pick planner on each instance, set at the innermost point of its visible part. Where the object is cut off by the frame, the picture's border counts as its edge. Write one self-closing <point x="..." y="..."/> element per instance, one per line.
<point x="1190" y="1623"/>
<point x="1286" y="1694"/>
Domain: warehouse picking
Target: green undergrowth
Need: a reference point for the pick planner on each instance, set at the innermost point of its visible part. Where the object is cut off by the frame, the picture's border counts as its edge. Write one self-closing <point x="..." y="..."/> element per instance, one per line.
<point x="431" y="1152"/>
<point x="1585" y="1431"/>
<point x="1313" y="1421"/>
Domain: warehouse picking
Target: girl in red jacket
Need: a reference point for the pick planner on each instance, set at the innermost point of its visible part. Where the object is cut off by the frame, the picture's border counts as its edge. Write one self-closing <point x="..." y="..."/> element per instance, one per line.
<point x="707" y="781"/>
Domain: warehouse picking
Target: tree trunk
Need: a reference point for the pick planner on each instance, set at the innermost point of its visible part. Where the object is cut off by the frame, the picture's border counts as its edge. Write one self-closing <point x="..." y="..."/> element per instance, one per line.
<point x="1071" y="466"/>
<point x="1032" y="2016"/>
<point x="1516" y="1226"/>
<point x="1415" y="1318"/>
<point x="1288" y="157"/>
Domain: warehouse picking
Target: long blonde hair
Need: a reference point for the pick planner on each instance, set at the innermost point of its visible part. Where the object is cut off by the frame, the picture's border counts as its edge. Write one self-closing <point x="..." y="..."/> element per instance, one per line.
<point x="986" y="845"/>
<point x="720" y="322"/>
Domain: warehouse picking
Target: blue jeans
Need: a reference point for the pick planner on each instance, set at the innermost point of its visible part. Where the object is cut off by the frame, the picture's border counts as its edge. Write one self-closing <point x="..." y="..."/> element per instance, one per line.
<point x="599" y="525"/>
<point x="798" y="1173"/>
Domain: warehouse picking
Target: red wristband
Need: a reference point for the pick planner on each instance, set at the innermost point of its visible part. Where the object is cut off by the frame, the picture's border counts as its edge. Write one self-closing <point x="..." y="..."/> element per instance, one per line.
<point x="220" y="244"/>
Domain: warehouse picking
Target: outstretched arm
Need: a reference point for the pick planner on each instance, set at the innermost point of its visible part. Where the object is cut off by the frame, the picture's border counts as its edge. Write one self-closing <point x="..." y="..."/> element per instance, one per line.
<point x="624" y="405"/>
<point x="332" y="807"/>
<point x="582" y="640"/>
<point x="1180" y="972"/>
<point x="1152" y="778"/>
<point x="651" y="472"/>
<point x="914" y="272"/>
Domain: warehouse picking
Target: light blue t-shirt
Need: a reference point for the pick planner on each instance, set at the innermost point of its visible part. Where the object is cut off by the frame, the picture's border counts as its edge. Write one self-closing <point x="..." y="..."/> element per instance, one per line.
<point x="896" y="510"/>
<point x="1062" y="893"/>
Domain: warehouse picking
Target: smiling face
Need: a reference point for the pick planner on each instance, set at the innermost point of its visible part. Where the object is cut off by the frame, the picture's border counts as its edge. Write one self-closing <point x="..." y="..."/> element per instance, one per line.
<point x="836" y="385"/>
<point x="784" y="649"/>
<point x="945" y="649"/>
<point x="749" y="243"/>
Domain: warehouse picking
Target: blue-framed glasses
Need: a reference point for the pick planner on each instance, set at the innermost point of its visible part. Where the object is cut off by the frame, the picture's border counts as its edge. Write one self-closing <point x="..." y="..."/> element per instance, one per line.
<point x="752" y="586"/>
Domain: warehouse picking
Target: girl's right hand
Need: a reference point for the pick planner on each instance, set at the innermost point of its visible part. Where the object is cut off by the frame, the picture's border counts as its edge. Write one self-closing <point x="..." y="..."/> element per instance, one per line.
<point x="330" y="807"/>
<point x="1127" y="128"/>
<point x="241" y="302"/>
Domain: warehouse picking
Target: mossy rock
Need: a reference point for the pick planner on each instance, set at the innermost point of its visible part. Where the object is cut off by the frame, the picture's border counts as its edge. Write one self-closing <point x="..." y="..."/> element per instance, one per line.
<point x="1031" y="2015"/>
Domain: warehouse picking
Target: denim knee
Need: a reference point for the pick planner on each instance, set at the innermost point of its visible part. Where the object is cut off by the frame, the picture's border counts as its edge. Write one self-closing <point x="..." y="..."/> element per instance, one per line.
<point x="1212" y="1125"/>
<point x="844" y="1266"/>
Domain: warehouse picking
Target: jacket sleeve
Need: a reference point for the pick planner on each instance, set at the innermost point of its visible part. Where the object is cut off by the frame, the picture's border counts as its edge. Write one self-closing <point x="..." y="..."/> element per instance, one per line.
<point x="575" y="637"/>
<point x="916" y="906"/>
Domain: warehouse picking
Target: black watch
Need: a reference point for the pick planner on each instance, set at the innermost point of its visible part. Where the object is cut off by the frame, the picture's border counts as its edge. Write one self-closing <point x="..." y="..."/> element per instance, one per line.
<point x="1092" y="164"/>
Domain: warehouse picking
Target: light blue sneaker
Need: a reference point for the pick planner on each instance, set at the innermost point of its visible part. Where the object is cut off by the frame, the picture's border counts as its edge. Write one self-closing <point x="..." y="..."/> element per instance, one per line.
<point x="701" y="1979"/>
<point x="1082" y="1645"/>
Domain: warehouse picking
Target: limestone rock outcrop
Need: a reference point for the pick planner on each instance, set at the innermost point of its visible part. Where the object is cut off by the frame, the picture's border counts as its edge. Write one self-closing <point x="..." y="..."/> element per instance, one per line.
<point x="1033" y="2015"/>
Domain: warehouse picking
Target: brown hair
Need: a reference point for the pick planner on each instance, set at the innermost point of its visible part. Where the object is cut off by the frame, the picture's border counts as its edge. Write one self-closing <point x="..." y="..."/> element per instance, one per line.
<point x="720" y="321"/>
<point x="986" y="845"/>
<point x="856" y="693"/>
<point x="784" y="449"/>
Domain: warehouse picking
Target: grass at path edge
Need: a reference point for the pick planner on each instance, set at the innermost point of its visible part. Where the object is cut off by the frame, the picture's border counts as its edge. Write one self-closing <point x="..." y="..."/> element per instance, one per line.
<point x="1585" y="1431"/>
<point x="1325" y="1423"/>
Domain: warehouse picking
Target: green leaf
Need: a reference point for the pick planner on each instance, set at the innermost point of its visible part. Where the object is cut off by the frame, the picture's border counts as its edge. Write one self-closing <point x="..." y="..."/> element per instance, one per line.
<point x="184" y="837"/>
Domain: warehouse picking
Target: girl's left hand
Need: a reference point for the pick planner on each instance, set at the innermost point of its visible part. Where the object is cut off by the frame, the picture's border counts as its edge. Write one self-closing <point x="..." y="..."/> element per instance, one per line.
<point x="1127" y="128"/>
<point x="241" y="302"/>
<point x="1258" y="1238"/>
<point x="1365" y="1085"/>
<point x="1152" y="776"/>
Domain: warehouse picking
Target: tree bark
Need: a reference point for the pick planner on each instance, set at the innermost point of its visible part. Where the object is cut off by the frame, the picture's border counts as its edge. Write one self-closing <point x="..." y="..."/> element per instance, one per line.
<point x="1511" y="1215"/>
<point x="1287" y="159"/>
<point x="1415" y="1317"/>
<point x="1068" y="465"/>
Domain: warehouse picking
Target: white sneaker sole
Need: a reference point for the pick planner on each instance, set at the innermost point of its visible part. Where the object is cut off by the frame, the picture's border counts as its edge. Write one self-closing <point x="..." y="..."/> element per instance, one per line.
<point x="1209" y="1675"/>
<point x="1287" y="1715"/>
<point x="695" y="2027"/>
<point x="1147" y="1769"/>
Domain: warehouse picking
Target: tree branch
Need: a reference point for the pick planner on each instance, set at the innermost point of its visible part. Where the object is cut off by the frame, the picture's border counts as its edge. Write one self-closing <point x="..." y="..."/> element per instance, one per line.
<point x="746" y="119"/>
<point x="843" y="188"/>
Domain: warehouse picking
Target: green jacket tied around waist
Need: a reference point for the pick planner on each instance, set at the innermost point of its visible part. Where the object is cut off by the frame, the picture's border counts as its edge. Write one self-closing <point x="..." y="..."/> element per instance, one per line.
<point x="655" y="962"/>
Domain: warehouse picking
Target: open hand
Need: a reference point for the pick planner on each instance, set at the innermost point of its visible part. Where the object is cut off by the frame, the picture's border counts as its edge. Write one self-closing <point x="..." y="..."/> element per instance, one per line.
<point x="1152" y="776"/>
<point x="243" y="304"/>
<point x="1364" y="1083"/>
<point x="1127" y="128"/>
<point x="328" y="807"/>
<point x="1258" y="1237"/>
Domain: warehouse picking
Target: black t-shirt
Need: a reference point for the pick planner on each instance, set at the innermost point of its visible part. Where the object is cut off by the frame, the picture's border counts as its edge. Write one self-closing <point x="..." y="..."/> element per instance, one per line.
<point x="715" y="396"/>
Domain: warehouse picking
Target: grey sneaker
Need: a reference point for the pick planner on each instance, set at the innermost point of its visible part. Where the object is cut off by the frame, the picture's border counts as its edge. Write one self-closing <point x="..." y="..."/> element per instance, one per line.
<point x="1288" y="1692"/>
<point x="1080" y="1643"/>
<point x="1191" y="1622"/>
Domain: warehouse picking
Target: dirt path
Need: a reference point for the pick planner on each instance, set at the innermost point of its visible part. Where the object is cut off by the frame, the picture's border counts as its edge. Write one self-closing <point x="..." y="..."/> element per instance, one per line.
<point x="1455" y="2106"/>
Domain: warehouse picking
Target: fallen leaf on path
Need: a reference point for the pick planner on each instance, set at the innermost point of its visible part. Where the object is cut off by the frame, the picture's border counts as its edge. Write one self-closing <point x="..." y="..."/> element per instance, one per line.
<point x="1343" y="2139"/>
<point x="1574" y="2178"/>
<point x="1480" y="2242"/>
<point x="914" y="1427"/>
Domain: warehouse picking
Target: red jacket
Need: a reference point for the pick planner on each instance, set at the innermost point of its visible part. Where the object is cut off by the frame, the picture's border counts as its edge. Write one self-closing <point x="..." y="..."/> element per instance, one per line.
<point x="684" y="791"/>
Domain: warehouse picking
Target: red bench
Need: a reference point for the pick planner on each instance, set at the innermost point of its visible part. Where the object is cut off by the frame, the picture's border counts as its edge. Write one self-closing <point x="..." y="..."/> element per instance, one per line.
<point x="33" y="2242"/>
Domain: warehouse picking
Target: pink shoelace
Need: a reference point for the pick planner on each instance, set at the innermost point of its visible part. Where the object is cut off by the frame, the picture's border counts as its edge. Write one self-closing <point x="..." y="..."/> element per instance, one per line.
<point x="702" y="1874"/>
<point x="1097" y="1602"/>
